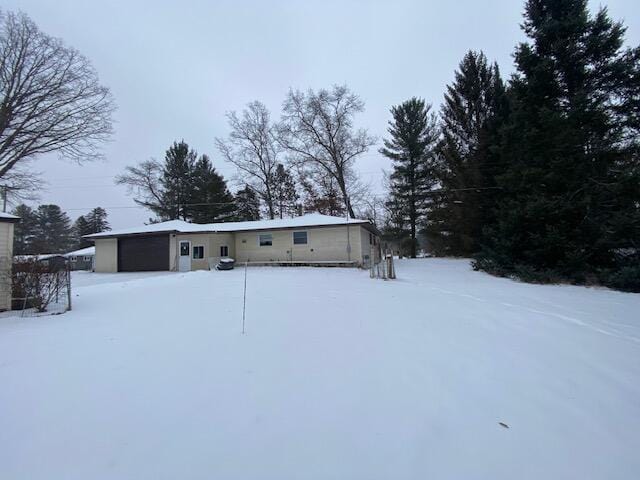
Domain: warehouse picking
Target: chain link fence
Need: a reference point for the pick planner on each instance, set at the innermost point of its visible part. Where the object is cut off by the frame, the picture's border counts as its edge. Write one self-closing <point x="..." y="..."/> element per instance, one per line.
<point x="41" y="286"/>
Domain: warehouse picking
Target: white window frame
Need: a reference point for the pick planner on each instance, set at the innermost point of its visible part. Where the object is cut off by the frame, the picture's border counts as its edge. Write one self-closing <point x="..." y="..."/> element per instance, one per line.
<point x="306" y="237"/>
<point x="227" y="248"/>
<point x="87" y="258"/>
<point x="270" y="235"/>
<point x="193" y="252"/>
<point x="180" y="243"/>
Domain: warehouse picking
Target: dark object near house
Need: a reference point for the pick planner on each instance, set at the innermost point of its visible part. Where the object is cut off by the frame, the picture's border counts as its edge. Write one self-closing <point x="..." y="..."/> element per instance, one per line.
<point x="225" y="264"/>
<point x="143" y="253"/>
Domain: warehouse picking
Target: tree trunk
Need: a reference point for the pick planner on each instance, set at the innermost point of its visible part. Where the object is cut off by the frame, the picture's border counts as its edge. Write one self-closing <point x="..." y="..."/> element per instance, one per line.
<point x="269" y="201"/>
<point x="345" y="197"/>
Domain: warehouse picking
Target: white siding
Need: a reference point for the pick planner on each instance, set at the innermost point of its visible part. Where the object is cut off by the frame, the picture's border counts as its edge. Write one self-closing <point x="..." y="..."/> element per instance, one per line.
<point x="324" y="244"/>
<point x="106" y="255"/>
<point x="6" y="260"/>
<point x="211" y="243"/>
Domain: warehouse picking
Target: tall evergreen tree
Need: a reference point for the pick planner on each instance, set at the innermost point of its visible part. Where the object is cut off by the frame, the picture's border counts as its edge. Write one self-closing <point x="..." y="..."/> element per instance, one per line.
<point x="285" y="195"/>
<point x="209" y="199"/>
<point x="414" y="134"/>
<point x="182" y="187"/>
<point x="569" y="204"/>
<point x="25" y="230"/>
<point x="247" y="205"/>
<point x="81" y="228"/>
<point x="53" y="232"/>
<point x="93" y="222"/>
<point x="97" y="220"/>
<point x="175" y="181"/>
<point x="473" y="108"/>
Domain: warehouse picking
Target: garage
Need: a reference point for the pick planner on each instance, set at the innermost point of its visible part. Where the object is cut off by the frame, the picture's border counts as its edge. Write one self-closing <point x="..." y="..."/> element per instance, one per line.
<point x="146" y="253"/>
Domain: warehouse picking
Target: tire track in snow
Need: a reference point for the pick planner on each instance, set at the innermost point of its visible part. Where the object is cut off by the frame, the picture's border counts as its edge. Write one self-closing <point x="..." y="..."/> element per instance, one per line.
<point x="566" y="318"/>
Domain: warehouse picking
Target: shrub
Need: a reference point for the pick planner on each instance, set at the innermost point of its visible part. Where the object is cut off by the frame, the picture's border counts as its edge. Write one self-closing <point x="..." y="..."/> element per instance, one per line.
<point x="626" y="279"/>
<point x="35" y="284"/>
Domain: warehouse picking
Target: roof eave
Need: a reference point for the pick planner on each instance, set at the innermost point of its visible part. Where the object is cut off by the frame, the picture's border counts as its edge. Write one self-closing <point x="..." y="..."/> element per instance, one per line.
<point x="94" y="237"/>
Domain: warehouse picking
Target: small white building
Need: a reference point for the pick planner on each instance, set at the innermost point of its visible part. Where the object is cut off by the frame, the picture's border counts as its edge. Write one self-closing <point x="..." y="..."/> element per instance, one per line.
<point x="176" y="245"/>
<point x="82" y="259"/>
<point x="7" y="225"/>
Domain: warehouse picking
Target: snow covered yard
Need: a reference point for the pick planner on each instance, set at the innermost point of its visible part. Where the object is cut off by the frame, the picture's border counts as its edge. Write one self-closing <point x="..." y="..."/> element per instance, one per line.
<point x="338" y="377"/>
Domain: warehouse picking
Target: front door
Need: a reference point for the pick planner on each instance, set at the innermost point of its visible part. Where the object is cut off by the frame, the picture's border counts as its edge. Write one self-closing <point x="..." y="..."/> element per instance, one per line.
<point x="184" y="265"/>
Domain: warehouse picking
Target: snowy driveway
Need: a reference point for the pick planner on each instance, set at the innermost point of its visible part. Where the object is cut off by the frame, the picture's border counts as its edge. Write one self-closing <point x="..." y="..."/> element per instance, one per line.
<point x="338" y="377"/>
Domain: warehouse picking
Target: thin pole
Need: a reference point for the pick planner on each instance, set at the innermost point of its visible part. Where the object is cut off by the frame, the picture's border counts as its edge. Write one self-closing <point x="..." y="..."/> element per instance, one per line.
<point x="244" y="299"/>
<point x="69" y="286"/>
<point x="348" y="236"/>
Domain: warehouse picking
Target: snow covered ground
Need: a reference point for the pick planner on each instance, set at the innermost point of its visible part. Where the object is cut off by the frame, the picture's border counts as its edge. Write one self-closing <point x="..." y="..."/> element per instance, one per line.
<point x="338" y="377"/>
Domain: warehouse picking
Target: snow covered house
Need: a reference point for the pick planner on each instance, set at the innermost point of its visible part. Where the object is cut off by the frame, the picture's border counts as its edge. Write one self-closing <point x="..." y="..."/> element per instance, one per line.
<point x="7" y="223"/>
<point x="176" y="245"/>
<point x="81" y="259"/>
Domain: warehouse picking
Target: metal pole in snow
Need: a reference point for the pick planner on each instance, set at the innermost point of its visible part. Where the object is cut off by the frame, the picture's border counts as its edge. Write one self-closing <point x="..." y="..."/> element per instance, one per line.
<point x="68" y="286"/>
<point x="244" y="299"/>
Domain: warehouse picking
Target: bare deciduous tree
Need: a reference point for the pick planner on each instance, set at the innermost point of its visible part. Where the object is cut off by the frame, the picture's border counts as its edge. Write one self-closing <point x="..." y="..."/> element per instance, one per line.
<point x="317" y="129"/>
<point x="252" y="147"/>
<point x="144" y="182"/>
<point x="21" y="184"/>
<point x="52" y="100"/>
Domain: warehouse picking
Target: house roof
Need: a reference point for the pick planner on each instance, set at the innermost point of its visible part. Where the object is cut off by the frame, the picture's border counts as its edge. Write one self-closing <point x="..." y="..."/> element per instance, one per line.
<point x="81" y="252"/>
<point x="40" y="256"/>
<point x="7" y="217"/>
<point x="180" y="226"/>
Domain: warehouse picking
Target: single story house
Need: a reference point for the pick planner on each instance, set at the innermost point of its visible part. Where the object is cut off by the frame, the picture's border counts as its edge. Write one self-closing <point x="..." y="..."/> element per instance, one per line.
<point x="7" y="223"/>
<point x="81" y="259"/>
<point x="176" y="245"/>
<point x="52" y="261"/>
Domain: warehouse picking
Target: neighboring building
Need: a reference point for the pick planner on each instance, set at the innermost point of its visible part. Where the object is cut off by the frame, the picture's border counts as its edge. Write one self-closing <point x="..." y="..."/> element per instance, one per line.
<point x="53" y="261"/>
<point x="7" y="223"/>
<point x="176" y="245"/>
<point x="81" y="259"/>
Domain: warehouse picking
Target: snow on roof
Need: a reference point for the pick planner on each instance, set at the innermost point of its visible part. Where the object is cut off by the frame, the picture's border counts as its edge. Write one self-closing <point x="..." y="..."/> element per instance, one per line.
<point x="180" y="226"/>
<point x="8" y="216"/>
<point x="81" y="252"/>
<point x="40" y="256"/>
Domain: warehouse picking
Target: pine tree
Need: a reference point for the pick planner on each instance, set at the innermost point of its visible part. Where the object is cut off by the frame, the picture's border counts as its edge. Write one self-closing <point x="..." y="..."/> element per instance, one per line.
<point x="93" y="222"/>
<point x="25" y="230"/>
<point x="97" y="220"/>
<point x="81" y="228"/>
<point x="569" y="205"/>
<point x="285" y="195"/>
<point x="209" y="198"/>
<point x="53" y="233"/>
<point x="247" y="205"/>
<point x="474" y="105"/>
<point x="414" y="135"/>
<point x="175" y="182"/>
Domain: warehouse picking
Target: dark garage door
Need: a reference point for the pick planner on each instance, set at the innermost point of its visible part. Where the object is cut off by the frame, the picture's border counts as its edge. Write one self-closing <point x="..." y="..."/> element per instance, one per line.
<point x="143" y="254"/>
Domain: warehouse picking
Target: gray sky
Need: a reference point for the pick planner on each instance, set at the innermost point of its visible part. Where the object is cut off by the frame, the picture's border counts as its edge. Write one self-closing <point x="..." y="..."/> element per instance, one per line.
<point x="175" y="68"/>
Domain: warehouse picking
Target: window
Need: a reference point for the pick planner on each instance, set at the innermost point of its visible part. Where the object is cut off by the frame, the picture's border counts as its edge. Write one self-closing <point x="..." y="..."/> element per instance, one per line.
<point x="224" y="251"/>
<point x="74" y="259"/>
<point x="266" y="240"/>
<point x="87" y="258"/>
<point x="198" y="252"/>
<point x="184" y="249"/>
<point x="299" y="238"/>
<point x="371" y="239"/>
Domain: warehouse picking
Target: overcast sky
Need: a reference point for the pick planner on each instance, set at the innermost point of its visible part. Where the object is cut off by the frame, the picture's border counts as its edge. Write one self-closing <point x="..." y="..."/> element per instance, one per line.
<point x="175" y="68"/>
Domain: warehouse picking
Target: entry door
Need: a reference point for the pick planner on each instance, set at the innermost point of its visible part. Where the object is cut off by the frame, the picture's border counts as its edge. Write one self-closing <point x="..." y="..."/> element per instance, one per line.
<point x="185" y="256"/>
